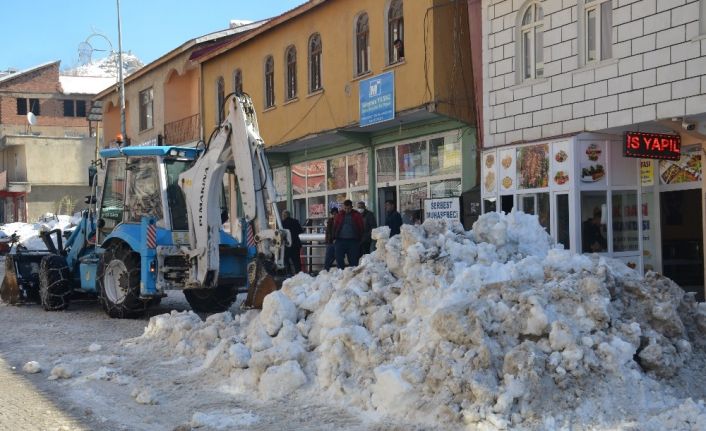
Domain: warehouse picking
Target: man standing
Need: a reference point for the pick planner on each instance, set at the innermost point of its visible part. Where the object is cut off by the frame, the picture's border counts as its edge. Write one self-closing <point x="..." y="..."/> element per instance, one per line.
<point x="393" y="220"/>
<point x="348" y="231"/>
<point x="369" y="223"/>
<point x="330" y="248"/>
<point x="292" y="254"/>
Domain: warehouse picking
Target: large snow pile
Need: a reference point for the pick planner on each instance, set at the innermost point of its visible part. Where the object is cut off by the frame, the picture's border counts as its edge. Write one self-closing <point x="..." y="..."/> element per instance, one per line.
<point x="492" y="328"/>
<point x="28" y="233"/>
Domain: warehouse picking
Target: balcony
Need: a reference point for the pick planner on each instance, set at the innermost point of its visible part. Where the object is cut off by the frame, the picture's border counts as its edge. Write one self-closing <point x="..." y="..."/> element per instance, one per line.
<point x="182" y="131"/>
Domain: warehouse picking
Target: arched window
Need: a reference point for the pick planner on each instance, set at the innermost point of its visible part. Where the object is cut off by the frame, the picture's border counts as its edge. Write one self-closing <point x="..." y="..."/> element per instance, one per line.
<point x="362" y="44"/>
<point x="291" y="75"/>
<point x="315" y="63"/>
<point x="238" y="81"/>
<point x="395" y="32"/>
<point x="269" y="82"/>
<point x="531" y="53"/>
<point x="220" y="97"/>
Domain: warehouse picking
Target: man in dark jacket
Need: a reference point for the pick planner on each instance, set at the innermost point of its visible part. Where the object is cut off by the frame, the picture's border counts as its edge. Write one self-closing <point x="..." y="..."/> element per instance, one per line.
<point x="348" y="228"/>
<point x="330" y="248"/>
<point x="369" y="223"/>
<point x="393" y="219"/>
<point x="292" y="254"/>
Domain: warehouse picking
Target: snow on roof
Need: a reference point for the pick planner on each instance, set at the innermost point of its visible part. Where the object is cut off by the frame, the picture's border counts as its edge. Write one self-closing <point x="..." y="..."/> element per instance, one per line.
<point x="22" y="72"/>
<point x="85" y="84"/>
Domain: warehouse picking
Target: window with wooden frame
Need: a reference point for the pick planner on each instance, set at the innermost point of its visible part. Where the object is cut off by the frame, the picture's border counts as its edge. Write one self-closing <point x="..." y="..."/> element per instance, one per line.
<point x="269" y="82"/>
<point x="146" y="109"/>
<point x="315" y="50"/>
<point x="291" y="75"/>
<point x="395" y="32"/>
<point x="362" y="44"/>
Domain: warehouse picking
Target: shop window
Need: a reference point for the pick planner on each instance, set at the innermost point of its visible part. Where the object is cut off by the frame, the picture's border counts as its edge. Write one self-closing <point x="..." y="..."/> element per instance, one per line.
<point x="238" y="81"/>
<point x="563" y="232"/>
<point x="316" y="176"/>
<point x="489" y="205"/>
<point x="413" y="160"/>
<point x="279" y="178"/>
<point x="361" y="196"/>
<point x="336" y="200"/>
<point x="385" y="162"/>
<point x="269" y="82"/>
<point x="146" y="109"/>
<point x="507" y="203"/>
<point x="291" y="75"/>
<point x="336" y="170"/>
<point x="317" y="209"/>
<point x="598" y="27"/>
<point x="315" y="50"/>
<point x="358" y="170"/>
<point x="594" y="216"/>
<point x="625" y="221"/>
<point x="531" y="47"/>
<point x="445" y="189"/>
<point x="412" y="201"/>
<point x="395" y="32"/>
<point x="299" y="178"/>
<point x="444" y="156"/>
<point x="362" y="44"/>
<point x="536" y="204"/>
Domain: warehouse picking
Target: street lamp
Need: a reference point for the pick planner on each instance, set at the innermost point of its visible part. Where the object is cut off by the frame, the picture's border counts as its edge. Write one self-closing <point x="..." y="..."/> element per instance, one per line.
<point x="120" y="78"/>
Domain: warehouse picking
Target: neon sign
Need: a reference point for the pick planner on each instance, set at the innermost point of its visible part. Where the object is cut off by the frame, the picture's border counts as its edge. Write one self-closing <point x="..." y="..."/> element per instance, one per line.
<point x="652" y="146"/>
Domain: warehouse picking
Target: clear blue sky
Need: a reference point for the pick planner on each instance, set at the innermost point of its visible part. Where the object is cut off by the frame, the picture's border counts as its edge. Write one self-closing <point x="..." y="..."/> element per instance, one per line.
<point x="37" y="31"/>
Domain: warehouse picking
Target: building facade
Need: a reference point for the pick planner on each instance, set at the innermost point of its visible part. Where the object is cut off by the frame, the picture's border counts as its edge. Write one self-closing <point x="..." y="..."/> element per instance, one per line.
<point x="46" y="144"/>
<point x="363" y="100"/>
<point x="568" y="86"/>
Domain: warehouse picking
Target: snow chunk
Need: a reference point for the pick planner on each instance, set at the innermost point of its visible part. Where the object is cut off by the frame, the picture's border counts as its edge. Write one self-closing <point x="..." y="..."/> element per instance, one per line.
<point x="61" y="371"/>
<point x="223" y="420"/>
<point x="281" y="380"/>
<point x="277" y="308"/>
<point x="32" y="367"/>
<point x="94" y="347"/>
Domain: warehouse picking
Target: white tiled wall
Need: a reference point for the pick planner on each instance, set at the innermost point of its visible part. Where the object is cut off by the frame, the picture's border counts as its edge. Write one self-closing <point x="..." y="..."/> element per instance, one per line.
<point x="658" y="70"/>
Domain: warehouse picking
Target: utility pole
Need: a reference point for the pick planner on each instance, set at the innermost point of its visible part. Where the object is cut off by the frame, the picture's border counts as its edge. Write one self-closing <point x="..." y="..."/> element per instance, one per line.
<point x="120" y="78"/>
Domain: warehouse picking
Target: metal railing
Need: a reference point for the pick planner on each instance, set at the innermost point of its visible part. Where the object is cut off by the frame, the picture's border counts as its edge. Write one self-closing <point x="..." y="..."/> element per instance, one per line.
<point x="313" y="249"/>
<point x="181" y="131"/>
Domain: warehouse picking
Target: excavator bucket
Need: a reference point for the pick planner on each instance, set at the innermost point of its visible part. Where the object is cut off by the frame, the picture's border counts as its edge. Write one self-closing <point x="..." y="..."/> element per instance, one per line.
<point x="262" y="280"/>
<point x="10" y="288"/>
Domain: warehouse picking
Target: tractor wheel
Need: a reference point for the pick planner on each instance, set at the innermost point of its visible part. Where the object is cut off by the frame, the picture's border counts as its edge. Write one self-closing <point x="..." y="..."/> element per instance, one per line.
<point x="214" y="300"/>
<point x="119" y="282"/>
<point x="54" y="283"/>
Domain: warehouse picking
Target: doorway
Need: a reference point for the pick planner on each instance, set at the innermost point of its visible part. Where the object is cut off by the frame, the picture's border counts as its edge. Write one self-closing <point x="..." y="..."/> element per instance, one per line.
<point x="682" y="239"/>
<point x="385" y="194"/>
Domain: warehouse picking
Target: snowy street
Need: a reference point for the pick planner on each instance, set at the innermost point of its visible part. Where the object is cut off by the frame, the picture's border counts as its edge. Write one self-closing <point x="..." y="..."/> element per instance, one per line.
<point x="98" y="394"/>
<point x="440" y="328"/>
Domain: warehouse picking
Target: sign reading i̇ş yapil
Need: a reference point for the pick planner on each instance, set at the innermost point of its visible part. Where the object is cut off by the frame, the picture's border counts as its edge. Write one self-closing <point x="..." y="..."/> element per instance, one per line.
<point x="377" y="99"/>
<point x="652" y="146"/>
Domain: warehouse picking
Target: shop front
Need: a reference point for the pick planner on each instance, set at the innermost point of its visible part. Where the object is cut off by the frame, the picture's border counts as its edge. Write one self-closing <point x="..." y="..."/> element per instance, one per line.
<point x="594" y="195"/>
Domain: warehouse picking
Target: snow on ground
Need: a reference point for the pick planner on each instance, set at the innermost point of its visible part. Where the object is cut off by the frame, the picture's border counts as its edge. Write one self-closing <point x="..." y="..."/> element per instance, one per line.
<point x="494" y="328"/>
<point x="28" y="233"/>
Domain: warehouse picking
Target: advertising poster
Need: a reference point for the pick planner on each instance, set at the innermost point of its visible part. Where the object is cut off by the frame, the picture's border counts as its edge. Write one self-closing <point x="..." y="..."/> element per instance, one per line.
<point x="507" y="170"/>
<point x="592" y="157"/>
<point x="533" y="167"/>
<point x="489" y="172"/>
<point x="561" y="164"/>
<point x="685" y="170"/>
<point x="647" y="172"/>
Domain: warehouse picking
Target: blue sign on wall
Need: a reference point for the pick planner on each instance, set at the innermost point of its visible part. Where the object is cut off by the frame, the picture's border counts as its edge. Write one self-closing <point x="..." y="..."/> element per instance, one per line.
<point x="377" y="99"/>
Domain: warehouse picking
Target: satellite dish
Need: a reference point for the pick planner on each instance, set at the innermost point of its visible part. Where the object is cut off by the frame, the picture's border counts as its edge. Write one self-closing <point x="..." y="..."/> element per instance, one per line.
<point x="31" y="118"/>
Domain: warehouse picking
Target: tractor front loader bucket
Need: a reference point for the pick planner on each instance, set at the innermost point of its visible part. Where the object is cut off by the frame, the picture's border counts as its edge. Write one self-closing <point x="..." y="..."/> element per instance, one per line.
<point x="10" y="289"/>
<point x="262" y="280"/>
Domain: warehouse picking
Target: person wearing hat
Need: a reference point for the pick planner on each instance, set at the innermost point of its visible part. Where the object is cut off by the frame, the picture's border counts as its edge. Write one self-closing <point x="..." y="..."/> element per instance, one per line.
<point x="330" y="247"/>
<point x="369" y="223"/>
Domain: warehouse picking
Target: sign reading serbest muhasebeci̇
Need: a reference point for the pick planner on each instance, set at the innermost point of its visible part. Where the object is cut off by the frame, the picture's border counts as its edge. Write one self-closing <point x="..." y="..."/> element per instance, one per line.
<point x="377" y="99"/>
<point x="438" y="208"/>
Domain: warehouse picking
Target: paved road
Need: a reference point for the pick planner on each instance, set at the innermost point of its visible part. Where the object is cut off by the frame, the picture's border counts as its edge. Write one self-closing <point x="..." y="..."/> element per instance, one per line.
<point x="25" y="407"/>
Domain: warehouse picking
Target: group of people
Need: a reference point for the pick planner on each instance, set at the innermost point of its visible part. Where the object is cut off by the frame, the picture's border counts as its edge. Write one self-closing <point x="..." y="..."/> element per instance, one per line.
<point x="348" y="234"/>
